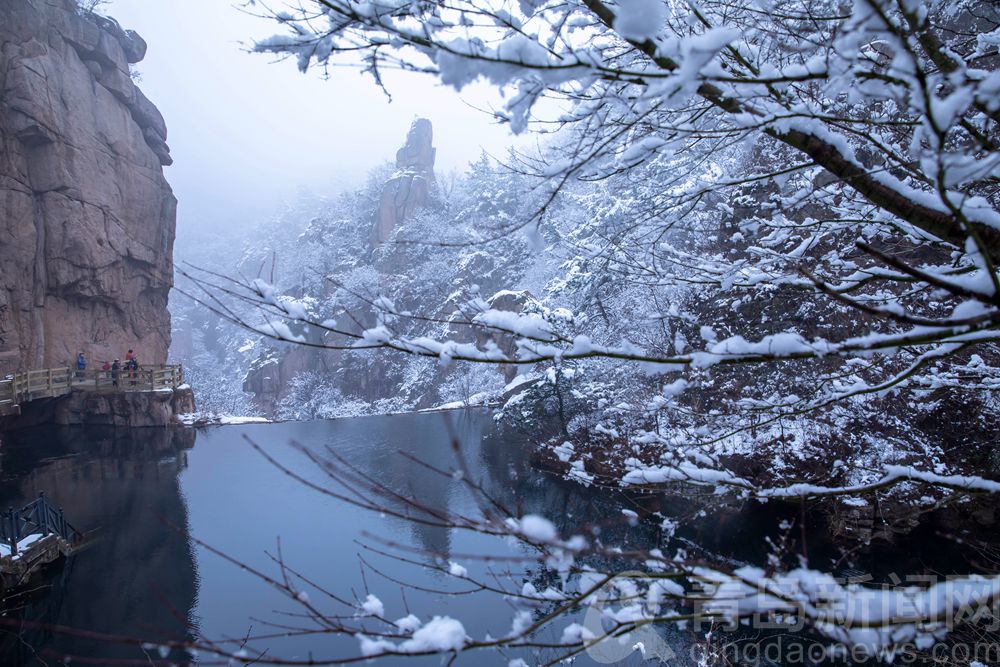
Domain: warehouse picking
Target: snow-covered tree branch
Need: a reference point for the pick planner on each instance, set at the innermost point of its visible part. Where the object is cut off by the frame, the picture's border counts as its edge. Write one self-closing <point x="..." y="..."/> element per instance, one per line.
<point x="755" y="256"/>
<point x="848" y="152"/>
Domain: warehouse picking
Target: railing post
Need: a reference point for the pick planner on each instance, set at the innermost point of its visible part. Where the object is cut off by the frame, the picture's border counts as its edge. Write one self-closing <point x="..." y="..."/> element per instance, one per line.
<point x="13" y="531"/>
<point x="40" y="510"/>
<point x="8" y="528"/>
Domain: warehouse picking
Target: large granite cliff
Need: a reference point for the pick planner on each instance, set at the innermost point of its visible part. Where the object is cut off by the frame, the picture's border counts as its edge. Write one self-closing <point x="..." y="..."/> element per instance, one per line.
<point x="86" y="216"/>
<point x="411" y="187"/>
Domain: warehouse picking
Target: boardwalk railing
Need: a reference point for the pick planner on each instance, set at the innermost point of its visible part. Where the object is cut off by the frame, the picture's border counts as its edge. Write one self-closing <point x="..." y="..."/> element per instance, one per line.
<point x="49" y="382"/>
<point x="35" y="518"/>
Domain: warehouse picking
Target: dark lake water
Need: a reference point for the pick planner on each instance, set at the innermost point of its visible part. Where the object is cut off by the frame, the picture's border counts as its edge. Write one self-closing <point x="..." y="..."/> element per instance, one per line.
<point x="144" y="493"/>
<point x="144" y="490"/>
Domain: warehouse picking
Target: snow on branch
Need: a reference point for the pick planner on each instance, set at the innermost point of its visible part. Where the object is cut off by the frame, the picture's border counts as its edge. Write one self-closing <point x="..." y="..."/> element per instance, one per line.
<point x="790" y="89"/>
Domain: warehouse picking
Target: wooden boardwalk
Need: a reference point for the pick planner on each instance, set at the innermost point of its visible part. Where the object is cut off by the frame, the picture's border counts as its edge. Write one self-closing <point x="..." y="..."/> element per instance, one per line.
<point x="26" y="386"/>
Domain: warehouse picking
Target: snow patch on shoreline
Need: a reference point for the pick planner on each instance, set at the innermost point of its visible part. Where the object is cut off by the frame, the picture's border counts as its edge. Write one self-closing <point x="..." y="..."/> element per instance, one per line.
<point x="212" y="419"/>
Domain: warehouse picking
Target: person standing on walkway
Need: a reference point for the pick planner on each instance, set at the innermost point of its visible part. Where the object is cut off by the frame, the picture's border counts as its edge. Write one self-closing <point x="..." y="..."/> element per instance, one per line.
<point x="81" y="366"/>
<point x="133" y="369"/>
<point x="115" y="371"/>
<point x="130" y="365"/>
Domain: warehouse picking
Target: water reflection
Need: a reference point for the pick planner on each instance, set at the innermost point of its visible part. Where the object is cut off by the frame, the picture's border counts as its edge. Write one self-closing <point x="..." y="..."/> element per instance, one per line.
<point x="248" y="507"/>
<point x="136" y="576"/>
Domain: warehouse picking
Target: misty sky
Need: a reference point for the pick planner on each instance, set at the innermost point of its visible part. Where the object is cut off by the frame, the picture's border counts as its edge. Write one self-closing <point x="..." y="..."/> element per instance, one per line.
<point x="247" y="132"/>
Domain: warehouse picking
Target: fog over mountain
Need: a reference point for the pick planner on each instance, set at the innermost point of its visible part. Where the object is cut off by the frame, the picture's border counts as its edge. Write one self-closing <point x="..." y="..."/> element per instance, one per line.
<point x="248" y="131"/>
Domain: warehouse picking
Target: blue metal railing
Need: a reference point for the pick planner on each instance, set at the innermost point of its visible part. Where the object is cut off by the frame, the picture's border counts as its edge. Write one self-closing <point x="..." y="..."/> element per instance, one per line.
<point x="37" y="517"/>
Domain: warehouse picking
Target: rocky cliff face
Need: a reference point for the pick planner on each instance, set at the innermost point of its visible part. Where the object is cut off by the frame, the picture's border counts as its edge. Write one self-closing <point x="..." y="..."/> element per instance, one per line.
<point x="408" y="189"/>
<point x="412" y="185"/>
<point x="86" y="216"/>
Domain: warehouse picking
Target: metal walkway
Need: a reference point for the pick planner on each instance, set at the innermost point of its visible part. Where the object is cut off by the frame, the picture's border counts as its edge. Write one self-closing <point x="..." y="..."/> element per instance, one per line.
<point x="32" y="536"/>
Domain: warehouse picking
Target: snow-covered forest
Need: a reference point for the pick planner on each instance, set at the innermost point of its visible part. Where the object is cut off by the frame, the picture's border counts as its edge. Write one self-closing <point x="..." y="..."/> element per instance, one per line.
<point x="755" y="252"/>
